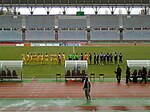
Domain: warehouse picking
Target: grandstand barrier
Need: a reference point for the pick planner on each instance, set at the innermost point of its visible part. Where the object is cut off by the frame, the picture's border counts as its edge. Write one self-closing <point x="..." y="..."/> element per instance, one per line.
<point x="75" y="70"/>
<point x="11" y="70"/>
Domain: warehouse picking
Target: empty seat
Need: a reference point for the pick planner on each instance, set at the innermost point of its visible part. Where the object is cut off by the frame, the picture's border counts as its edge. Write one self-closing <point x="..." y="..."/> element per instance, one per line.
<point x="92" y="76"/>
<point x="101" y="76"/>
<point x="58" y="76"/>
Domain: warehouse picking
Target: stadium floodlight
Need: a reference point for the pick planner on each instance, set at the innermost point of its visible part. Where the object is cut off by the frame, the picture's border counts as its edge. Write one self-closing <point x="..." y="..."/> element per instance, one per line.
<point x="138" y="64"/>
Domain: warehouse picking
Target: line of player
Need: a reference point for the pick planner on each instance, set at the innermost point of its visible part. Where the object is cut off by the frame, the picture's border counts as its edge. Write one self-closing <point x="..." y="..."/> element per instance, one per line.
<point x="96" y="59"/>
<point x="54" y="59"/>
<point x="43" y="59"/>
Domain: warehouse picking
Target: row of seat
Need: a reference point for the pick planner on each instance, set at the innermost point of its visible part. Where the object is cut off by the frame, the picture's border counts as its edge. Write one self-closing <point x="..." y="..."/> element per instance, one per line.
<point x="92" y="76"/>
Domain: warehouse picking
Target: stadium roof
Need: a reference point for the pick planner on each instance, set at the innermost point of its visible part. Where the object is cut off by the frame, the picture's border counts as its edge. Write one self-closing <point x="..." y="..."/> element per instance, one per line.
<point x="73" y="3"/>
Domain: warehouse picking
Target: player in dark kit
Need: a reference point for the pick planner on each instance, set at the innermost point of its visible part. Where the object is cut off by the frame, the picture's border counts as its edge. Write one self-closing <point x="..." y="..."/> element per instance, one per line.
<point x="111" y="58"/>
<point x="101" y="58"/>
<point x="81" y="56"/>
<point x="95" y="58"/>
<point x="107" y="56"/>
<point x="116" y="58"/>
<point x="120" y="58"/>
<point x="90" y="58"/>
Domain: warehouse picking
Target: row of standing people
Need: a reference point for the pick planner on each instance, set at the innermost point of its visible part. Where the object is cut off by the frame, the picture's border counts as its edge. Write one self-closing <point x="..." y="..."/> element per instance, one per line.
<point x="37" y="59"/>
<point x="128" y="74"/>
<point x="54" y="58"/>
<point x="103" y="58"/>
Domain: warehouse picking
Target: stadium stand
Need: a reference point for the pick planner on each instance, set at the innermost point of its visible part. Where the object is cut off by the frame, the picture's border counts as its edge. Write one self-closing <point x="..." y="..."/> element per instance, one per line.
<point x="104" y="21"/>
<point x="136" y="35"/>
<point x="72" y="22"/>
<point x="72" y="35"/>
<point x="136" y="21"/>
<point x="9" y="35"/>
<point x="101" y="27"/>
<point x="9" y="21"/>
<point x="40" y="35"/>
<point x="104" y="35"/>
<point x="40" y="21"/>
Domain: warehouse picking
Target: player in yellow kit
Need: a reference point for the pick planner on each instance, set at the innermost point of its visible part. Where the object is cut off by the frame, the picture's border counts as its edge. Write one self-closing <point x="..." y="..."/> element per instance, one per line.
<point x="38" y="59"/>
<point x="51" y="58"/>
<point x="46" y="58"/>
<point x="63" y="58"/>
<point x="23" y="58"/>
<point x="55" y="58"/>
<point x="34" y="59"/>
<point x="27" y="58"/>
<point x="41" y="59"/>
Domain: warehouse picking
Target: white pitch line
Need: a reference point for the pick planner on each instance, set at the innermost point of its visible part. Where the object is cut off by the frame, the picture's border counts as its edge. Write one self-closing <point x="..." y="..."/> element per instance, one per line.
<point x="73" y="49"/>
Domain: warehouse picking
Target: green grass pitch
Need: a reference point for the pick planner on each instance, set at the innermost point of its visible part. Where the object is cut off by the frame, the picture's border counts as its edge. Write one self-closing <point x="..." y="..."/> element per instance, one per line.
<point x="48" y="71"/>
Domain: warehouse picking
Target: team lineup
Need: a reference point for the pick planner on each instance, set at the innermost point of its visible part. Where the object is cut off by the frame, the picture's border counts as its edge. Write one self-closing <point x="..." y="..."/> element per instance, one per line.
<point x="54" y="59"/>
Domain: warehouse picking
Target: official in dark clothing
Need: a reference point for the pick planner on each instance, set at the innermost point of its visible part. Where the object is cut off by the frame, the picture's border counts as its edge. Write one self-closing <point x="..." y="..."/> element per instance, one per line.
<point x="128" y="75"/>
<point x="87" y="88"/>
<point x="118" y="74"/>
<point x="144" y="74"/>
